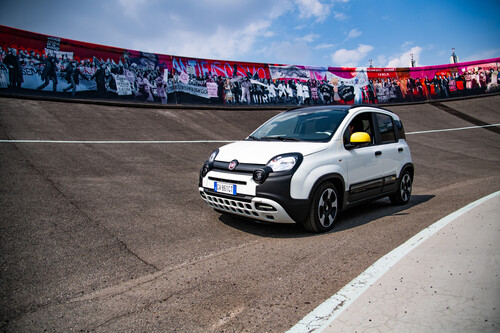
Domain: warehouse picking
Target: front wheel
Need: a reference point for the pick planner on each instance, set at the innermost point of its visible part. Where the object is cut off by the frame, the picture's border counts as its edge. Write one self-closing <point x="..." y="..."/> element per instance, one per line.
<point x="403" y="193"/>
<point x="324" y="210"/>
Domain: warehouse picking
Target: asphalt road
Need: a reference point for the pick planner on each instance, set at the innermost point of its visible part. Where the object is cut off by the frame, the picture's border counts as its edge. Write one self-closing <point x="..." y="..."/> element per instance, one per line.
<point x="114" y="236"/>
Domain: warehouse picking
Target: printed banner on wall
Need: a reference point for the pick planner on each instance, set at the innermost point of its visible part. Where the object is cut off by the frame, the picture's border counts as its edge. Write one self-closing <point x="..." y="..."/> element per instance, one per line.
<point x="123" y="86"/>
<point x="4" y="78"/>
<point x="54" y="65"/>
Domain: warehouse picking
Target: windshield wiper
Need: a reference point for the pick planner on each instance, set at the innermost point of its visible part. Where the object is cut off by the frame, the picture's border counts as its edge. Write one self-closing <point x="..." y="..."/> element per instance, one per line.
<point x="280" y="138"/>
<point x="254" y="138"/>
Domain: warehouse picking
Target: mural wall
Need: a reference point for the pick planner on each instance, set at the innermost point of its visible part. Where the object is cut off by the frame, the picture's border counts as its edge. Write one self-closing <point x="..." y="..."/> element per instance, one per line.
<point x="55" y="66"/>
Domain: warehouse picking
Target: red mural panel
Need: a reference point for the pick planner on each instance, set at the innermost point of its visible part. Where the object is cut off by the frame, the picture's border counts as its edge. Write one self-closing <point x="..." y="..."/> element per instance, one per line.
<point x="57" y="65"/>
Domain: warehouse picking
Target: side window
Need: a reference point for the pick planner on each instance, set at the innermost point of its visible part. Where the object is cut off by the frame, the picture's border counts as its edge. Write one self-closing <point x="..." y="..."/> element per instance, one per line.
<point x="401" y="130"/>
<point x="386" y="128"/>
<point x="361" y="123"/>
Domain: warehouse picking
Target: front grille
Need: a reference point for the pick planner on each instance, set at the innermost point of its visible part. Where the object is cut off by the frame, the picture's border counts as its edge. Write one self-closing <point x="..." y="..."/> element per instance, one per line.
<point x="237" y="206"/>
<point x="231" y="181"/>
<point x="242" y="168"/>
<point x="230" y="205"/>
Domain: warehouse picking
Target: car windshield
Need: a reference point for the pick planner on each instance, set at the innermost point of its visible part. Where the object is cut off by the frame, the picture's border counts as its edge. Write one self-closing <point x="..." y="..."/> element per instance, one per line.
<point x="308" y="124"/>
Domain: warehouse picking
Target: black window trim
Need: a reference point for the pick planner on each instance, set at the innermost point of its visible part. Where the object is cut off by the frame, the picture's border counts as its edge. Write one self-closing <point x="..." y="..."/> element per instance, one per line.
<point x="377" y="130"/>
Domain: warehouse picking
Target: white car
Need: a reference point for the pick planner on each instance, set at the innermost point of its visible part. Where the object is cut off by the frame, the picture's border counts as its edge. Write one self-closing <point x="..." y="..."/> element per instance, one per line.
<point x="305" y="165"/>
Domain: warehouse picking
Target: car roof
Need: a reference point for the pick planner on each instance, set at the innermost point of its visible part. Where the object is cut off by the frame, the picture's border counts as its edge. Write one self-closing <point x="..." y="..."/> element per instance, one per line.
<point x="346" y="108"/>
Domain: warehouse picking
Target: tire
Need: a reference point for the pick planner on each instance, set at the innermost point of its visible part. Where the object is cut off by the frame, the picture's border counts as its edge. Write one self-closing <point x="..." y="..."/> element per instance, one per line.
<point x="403" y="193"/>
<point x="325" y="208"/>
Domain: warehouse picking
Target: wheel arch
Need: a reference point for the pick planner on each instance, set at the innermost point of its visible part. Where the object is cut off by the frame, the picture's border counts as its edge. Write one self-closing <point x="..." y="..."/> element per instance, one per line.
<point x="337" y="180"/>
<point x="410" y="167"/>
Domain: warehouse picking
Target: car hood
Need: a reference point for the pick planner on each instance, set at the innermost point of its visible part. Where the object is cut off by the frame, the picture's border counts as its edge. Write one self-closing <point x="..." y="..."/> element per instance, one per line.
<point x="260" y="152"/>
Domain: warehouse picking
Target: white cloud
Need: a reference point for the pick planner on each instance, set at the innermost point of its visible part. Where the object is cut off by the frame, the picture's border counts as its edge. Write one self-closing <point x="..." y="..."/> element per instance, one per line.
<point x="486" y="54"/>
<point x="407" y="44"/>
<point x="289" y="52"/>
<point x="381" y="61"/>
<point x="309" y="8"/>
<point x="323" y="46"/>
<point x="223" y="43"/>
<point x="353" y="34"/>
<point x="130" y="7"/>
<point x="309" y="38"/>
<point x="351" y="58"/>
<point x="404" y="59"/>
<point x="205" y="29"/>
<point x="340" y="16"/>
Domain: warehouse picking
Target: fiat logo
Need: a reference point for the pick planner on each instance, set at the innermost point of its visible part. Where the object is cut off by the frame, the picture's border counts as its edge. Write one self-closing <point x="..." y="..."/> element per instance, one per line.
<point x="233" y="165"/>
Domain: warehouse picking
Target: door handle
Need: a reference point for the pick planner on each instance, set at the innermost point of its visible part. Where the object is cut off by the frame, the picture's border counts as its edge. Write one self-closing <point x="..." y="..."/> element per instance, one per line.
<point x="400" y="149"/>
<point x="378" y="153"/>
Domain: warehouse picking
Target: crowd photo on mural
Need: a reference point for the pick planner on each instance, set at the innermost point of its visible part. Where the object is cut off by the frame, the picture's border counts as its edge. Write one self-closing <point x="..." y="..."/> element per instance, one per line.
<point x="34" y="62"/>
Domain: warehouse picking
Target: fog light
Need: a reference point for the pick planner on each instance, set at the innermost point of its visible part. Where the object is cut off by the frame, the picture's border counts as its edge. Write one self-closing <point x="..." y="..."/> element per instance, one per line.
<point x="205" y="169"/>
<point x="260" y="176"/>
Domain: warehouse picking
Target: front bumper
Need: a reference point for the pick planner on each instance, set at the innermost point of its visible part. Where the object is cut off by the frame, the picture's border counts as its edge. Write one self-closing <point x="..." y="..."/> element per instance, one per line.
<point x="269" y="201"/>
<point x="256" y="208"/>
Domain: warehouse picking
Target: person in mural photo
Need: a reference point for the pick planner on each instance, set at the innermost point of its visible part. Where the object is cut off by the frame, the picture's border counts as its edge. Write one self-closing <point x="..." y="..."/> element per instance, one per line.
<point x="326" y="92"/>
<point x="148" y="88"/>
<point x="346" y="92"/>
<point x="72" y="76"/>
<point x="49" y="73"/>
<point x="11" y="60"/>
<point x="300" y="94"/>
<point x="271" y="88"/>
<point x="314" y="91"/>
<point x="493" y="83"/>
<point x="100" y="79"/>
<point x="237" y="92"/>
<point x="143" y="87"/>
<point x="257" y="93"/>
<point x="246" y="85"/>
<point x="161" y="89"/>
<point x="289" y="93"/>
<point x="443" y="82"/>
<point x="420" y="89"/>
<point x="228" y="91"/>
<point x="307" y="93"/>
<point x="358" y="94"/>
<point x="437" y="86"/>
<point x="482" y="80"/>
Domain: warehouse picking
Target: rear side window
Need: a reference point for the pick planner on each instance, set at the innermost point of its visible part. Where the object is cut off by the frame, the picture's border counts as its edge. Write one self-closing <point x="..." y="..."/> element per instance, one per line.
<point x="386" y="128"/>
<point x="400" y="129"/>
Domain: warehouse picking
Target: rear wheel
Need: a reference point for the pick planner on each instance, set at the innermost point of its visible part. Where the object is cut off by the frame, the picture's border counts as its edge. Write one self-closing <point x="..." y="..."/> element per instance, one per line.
<point x="324" y="210"/>
<point x="403" y="193"/>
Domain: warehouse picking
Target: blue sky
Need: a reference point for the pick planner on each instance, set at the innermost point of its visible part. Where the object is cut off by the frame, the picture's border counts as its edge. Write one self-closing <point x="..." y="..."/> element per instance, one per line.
<point x="301" y="32"/>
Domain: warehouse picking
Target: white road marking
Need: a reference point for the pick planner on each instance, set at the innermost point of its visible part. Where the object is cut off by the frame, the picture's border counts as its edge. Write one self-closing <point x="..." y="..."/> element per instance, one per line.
<point x="199" y="141"/>
<point x="112" y="142"/>
<point x="452" y="129"/>
<point x="326" y="313"/>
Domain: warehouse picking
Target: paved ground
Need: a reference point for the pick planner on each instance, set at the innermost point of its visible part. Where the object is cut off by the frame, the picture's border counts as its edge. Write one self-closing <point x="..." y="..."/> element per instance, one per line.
<point x="449" y="283"/>
<point x="114" y="237"/>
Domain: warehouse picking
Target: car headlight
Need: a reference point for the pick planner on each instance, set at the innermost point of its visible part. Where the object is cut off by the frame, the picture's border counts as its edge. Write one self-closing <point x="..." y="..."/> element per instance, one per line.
<point x="213" y="156"/>
<point x="209" y="164"/>
<point x="283" y="162"/>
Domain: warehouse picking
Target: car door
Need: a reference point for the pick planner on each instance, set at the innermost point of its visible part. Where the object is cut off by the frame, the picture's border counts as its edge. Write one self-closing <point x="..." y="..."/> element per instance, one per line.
<point x="389" y="150"/>
<point x="364" y="163"/>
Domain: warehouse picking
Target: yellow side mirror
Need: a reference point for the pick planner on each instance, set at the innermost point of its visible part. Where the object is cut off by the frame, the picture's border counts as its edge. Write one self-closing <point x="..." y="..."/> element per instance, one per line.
<point x="360" y="137"/>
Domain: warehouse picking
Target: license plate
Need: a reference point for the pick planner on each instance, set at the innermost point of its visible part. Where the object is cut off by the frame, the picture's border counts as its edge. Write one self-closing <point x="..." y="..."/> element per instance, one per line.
<point x="225" y="188"/>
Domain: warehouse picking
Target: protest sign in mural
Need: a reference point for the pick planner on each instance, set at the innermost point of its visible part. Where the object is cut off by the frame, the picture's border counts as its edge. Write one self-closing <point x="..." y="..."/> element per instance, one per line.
<point x="54" y="65"/>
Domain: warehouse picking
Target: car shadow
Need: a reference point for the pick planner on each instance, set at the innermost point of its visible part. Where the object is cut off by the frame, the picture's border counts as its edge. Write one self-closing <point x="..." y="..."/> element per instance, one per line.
<point x="349" y="219"/>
